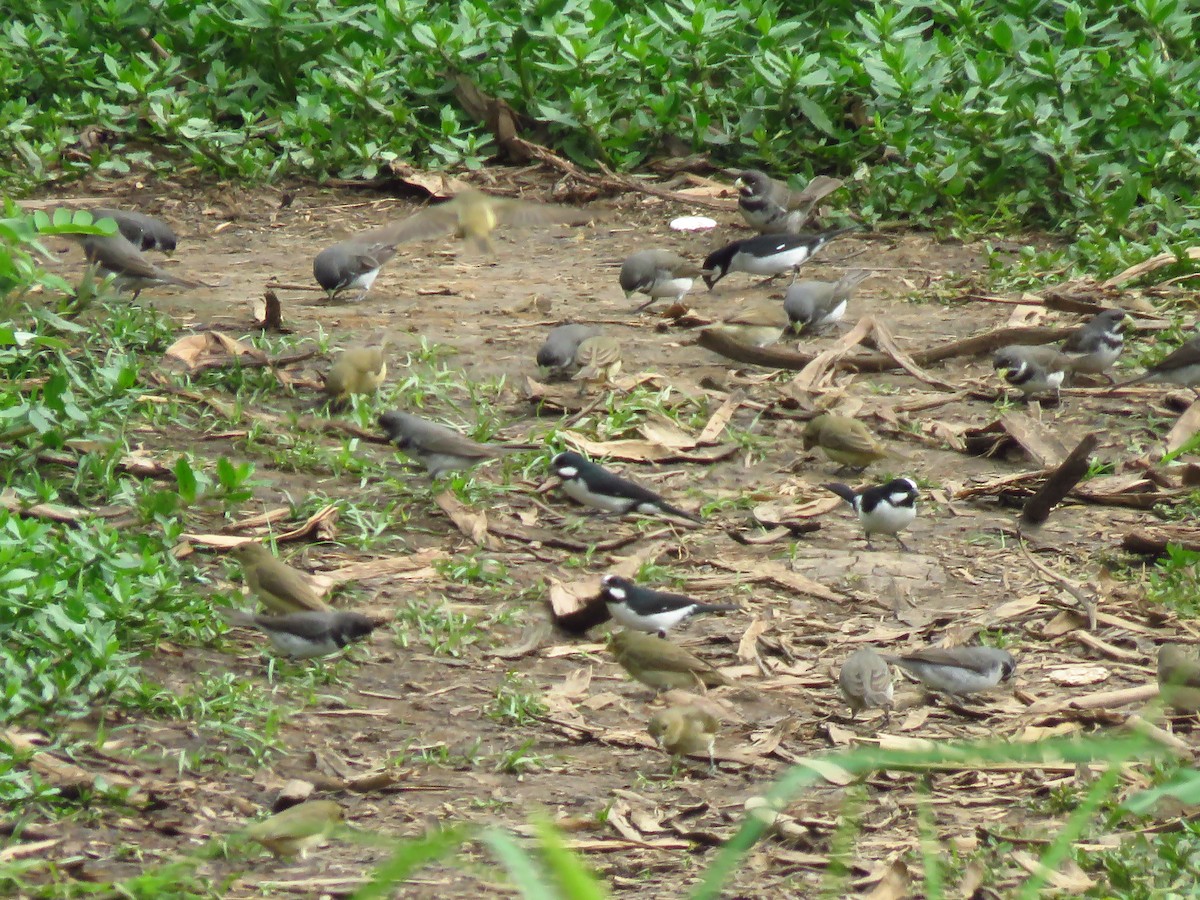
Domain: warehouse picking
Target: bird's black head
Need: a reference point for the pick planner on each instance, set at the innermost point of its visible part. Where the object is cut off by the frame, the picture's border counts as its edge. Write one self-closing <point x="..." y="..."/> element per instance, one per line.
<point x="393" y="425"/>
<point x="352" y="626"/>
<point x="568" y="464"/>
<point x="903" y="487"/>
<point x="716" y="264"/>
<point x="615" y="588"/>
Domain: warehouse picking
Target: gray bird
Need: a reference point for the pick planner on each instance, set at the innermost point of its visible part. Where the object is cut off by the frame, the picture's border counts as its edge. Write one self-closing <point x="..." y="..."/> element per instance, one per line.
<point x="1032" y="370"/>
<point x="866" y="682"/>
<point x="813" y="305"/>
<point x="958" y="670"/>
<point x="558" y="352"/>
<point x="1182" y="366"/>
<point x="305" y="635"/>
<point x="353" y="264"/>
<point x="771" y="207"/>
<point x="657" y="273"/>
<point x="114" y="255"/>
<point x="143" y="231"/>
<point x="438" y="448"/>
<point x="1179" y="677"/>
<point x="1094" y="347"/>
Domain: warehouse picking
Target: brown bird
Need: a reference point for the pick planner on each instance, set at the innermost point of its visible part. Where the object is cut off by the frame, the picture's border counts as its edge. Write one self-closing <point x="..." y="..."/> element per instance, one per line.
<point x="759" y="324"/>
<point x="297" y="829"/>
<point x="114" y="255"/>
<point x="1179" y="677"/>
<point x="683" y="730"/>
<point x="866" y="682"/>
<point x="281" y="588"/>
<point x="659" y="664"/>
<point x="1180" y="366"/>
<point x="357" y="370"/>
<point x="473" y="215"/>
<point x="599" y="361"/>
<point x="846" y="441"/>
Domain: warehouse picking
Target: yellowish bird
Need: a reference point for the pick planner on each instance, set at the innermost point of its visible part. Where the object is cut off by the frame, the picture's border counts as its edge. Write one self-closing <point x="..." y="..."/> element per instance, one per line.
<point x="281" y="588"/>
<point x="474" y="215"/>
<point x="599" y="361"/>
<point x="684" y="730"/>
<point x="357" y="370"/>
<point x="759" y="324"/>
<point x="1179" y="677"/>
<point x="846" y="441"/>
<point x="659" y="664"/>
<point x="297" y="829"/>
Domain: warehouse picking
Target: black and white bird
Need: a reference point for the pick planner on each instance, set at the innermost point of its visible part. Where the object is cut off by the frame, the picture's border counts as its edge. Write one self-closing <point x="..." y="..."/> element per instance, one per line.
<point x="305" y="635"/>
<point x="143" y="231"/>
<point x="1181" y="366"/>
<point x="1094" y="347"/>
<point x="771" y="207"/>
<point x="558" y="352"/>
<point x="882" y="509"/>
<point x="648" y="610"/>
<point x="767" y="254"/>
<point x="813" y="305"/>
<point x="958" y="670"/>
<point x="657" y="274"/>
<point x="438" y="448"/>
<point x="592" y="485"/>
<point x="1032" y="370"/>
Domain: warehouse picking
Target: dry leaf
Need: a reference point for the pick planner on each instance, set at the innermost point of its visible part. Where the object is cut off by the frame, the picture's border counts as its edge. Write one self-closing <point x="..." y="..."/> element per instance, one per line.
<point x="210" y="348"/>
<point x="472" y="523"/>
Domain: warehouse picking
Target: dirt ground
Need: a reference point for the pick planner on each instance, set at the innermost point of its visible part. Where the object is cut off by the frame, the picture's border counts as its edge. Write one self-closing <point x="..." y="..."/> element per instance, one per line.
<point x="648" y="827"/>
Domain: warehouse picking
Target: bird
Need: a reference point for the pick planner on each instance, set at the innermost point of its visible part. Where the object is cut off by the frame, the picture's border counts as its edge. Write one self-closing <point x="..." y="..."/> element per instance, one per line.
<point x="684" y="730"/>
<point x="353" y="264"/>
<point x="357" y="370"/>
<point x="882" y="509"/>
<point x="281" y="588"/>
<point x="1179" y="677"/>
<point x="846" y="441"/>
<point x="1032" y="370"/>
<point x="143" y="231"/>
<point x="298" y="828"/>
<point x="558" y="352"/>
<point x="1093" y="348"/>
<point x="597" y="360"/>
<point x="438" y="448"/>
<point x="114" y="255"/>
<point x="305" y="635"/>
<point x="813" y="305"/>
<point x="866" y="682"/>
<point x="759" y="324"/>
<point x="766" y="254"/>
<point x="958" y="670"/>
<point x="589" y="484"/>
<point x="645" y="609"/>
<point x="657" y="273"/>
<point x="473" y="215"/>
<point x="1181" y="366"/>
<point x="771" y="207"/>
<point x="659" y="664"/>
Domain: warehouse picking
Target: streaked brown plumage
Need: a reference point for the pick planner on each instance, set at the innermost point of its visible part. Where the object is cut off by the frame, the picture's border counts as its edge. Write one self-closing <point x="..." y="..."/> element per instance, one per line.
<point x="684" y="730"/>
<point x="281" y="588"/>
<point x="297" y="829"/>
<point x="356" y="370"/>
<point x="846" y="441"/>
<point x="659" y="664"/>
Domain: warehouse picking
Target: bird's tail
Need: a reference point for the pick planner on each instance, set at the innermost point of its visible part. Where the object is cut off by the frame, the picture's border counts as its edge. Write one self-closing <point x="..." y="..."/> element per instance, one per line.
<point x="842" y="490"/>
<point x="717" y="607"/>
<point x="236" y="616"/>
<point x="676" y="511"/>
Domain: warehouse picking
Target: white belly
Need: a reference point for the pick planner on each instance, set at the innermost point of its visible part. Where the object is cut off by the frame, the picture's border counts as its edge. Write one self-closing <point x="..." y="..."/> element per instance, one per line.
<point x="884" y="519"/>
<point x="577" y="491"/>
<point x="771" y="265"/>
<point x="672" y="287"/>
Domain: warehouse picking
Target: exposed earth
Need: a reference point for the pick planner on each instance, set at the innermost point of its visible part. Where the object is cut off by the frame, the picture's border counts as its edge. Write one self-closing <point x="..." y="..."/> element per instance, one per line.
<point x="432" y="718"/>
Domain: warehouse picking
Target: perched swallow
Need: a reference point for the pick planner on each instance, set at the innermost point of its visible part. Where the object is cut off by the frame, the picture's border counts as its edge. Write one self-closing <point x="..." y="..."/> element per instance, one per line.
<point x="298" y="828"/>
<point x="143" y="231"/>
<point x="357" y="370"/>
<point x="438" y="448"/>
<point x="958" y="670"/>
<point x="866" y="682"/>
<point x="813" y="305"/>
<point x="281" y="588"/>
<point x="597" y="361"/>
<point x="305" y="635"/>
<point x="657" y="273"/>
<point x="1179" y="677"/>
<point x="1093" y="348"/>
<point x="1032" y="370"/>
<point x="648" y="610"/>
<point x="659" y="664"/>
<point x="767" y="254"/>
<point x="591" y="485"/>
<point x="558" y="352"/>
<point x="685" y="730"/>
<point x="114" y="255"/>
<point x="759" y="324"/>
<point x="473" y="215"/>
<point x="882" y="509"/>
<point x="846" y="441"/>
<point x="1182" y="366"/>
<point x="771" y="207"/>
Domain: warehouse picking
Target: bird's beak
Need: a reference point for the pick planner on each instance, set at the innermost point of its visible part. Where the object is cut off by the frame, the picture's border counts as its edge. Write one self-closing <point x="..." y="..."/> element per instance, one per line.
<point x="739" y="184"/>
<point x="628" y="294"/>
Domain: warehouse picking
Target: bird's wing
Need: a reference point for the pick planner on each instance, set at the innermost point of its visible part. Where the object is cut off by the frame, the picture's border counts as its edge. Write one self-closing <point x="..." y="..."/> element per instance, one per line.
<point x="598" y="352"/>
<point x="815" y="191"/>
<point x="952" y="656"/>
<point x="1187" y="354"/>
<point x="429" y="223"/>
<point x="434" y="438"/>
<point x="281" y="581"/>
<point x="525" y="212"/>
<point x="852" y="440"/>
<point x="762" y="315"/>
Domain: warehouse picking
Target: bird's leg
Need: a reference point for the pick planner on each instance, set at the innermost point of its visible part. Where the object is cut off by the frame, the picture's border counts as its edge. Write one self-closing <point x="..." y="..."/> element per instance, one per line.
<point x="870" y="546"/>
<point x="649" y="303"/>
<point x="903" y="546"/>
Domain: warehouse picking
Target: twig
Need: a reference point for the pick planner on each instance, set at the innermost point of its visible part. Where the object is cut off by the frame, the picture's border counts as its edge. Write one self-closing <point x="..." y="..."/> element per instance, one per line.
<point x="1059" y="483"/>
<point x="1088" y="604"/>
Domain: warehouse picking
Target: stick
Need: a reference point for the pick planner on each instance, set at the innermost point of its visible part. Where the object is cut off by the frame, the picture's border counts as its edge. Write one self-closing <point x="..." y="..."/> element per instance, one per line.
<point x="1154" y="543"/>
<point x="1058" y="485"/>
